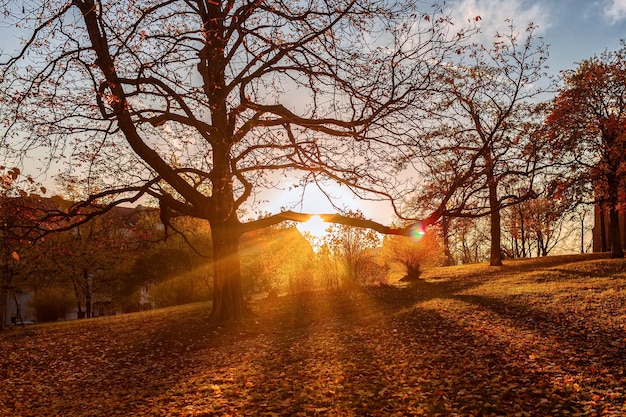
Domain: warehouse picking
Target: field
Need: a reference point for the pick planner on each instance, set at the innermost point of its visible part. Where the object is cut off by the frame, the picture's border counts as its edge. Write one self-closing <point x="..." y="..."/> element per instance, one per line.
<point x="531" y="338"/>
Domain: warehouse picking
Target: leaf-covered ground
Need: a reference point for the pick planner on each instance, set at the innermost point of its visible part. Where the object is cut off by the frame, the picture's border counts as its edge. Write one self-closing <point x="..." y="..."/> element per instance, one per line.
<point x="531" y="338"/>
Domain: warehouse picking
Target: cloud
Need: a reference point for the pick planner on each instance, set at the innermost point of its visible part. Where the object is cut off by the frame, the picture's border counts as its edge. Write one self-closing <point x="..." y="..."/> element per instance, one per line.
<point x="494" y="13"/>
<point x="615" y="10"/>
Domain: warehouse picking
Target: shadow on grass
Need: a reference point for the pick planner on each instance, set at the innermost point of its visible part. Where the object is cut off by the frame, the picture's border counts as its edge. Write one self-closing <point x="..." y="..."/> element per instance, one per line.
<point x="362" y="352"/>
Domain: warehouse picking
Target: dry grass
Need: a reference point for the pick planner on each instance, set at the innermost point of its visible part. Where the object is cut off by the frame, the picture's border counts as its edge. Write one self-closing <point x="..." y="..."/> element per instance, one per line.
<point x="534" y="337"/>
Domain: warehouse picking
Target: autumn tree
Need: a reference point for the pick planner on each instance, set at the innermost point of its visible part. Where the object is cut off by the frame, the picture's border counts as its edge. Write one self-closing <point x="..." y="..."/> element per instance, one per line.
<point x="9" y="252"/>
<point x="202" y="104"/>
<point x="90" y="255"/>
<point x="326" y="269"/>
<point x="588" y="131"/>
<point x="19" y="256"/>
<point x="484" y="137"/>
<point x="356" y="248"/>
<point x="536" y="227"/>
<point x="471" y="240"/>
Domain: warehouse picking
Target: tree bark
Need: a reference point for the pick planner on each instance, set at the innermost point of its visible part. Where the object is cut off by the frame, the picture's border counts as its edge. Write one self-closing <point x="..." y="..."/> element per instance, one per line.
<point x="495" y="258"/>
<point x="88" y="294"/>
<point x="616" y="240"/>
<point x="603" y="241"/>
<point x="3" y="308"/>
<point x="613" y="185"/>
<point x="228" y="300"/>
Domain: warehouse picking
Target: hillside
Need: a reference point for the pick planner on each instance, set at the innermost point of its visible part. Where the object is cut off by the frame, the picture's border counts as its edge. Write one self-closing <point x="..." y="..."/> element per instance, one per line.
<point x="534" y="337"/>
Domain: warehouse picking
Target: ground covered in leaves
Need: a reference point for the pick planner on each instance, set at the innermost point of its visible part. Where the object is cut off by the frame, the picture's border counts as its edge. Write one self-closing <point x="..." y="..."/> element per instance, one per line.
<point x="539" y="337"/>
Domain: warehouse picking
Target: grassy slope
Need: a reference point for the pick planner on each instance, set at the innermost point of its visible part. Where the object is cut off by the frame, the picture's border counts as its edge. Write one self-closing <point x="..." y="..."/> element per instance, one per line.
<point x="535" y="337"/>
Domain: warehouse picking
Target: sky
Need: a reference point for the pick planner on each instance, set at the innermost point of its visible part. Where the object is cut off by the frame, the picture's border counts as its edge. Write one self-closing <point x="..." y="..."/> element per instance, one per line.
<point x="573" y="29"/>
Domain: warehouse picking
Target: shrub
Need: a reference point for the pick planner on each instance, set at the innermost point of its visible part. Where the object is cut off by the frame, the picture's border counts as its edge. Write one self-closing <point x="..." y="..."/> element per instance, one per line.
<point x="182" y="289"/>
<point x="51" y="304"/>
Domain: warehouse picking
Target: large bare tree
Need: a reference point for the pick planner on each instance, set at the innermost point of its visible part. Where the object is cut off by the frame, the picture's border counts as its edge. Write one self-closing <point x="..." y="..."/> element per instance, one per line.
<point x="484" y="141"/>
<point x="201" y="104"/>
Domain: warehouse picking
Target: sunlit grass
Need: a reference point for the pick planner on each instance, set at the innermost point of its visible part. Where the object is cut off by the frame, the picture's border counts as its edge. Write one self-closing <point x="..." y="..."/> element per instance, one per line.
<point x="534" y="337"/>
<point x="130" y="321"/>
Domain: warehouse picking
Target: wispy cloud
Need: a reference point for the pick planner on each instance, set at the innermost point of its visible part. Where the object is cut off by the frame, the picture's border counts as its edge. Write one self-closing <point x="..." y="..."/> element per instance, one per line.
<point x="615" y="10"/>
<point x="494" y="14"/>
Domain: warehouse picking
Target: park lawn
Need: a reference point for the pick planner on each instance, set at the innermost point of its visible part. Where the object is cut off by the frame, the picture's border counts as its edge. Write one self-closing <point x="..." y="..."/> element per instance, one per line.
<point x="534" y="337"/>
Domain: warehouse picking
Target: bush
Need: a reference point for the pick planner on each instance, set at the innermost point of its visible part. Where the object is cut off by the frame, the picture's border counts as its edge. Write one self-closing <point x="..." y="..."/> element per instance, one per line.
<point x="51" y="304"/>
<point x="182" y="289"/>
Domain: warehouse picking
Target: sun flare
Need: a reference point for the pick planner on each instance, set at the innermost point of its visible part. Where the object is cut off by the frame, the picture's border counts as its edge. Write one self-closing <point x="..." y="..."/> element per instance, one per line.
<point x="417" y="231"/>
<point x="314" y="226"/>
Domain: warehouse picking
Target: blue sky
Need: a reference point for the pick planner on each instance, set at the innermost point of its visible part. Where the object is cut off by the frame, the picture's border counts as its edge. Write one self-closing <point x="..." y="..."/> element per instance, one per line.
<point x="574" y="29"/>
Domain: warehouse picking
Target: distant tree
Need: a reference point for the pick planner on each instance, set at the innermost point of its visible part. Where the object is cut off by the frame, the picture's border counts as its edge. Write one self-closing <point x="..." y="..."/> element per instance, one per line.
<point x="326" y="269"/>
<point x="516" y="225"/>
<point x="202" y="104"/>
<point x="19" y="256"/>
<point x="8" y="244"/>
<point x="51" y="303"/>
<point x="354" y="247"/>
<point x="471" y="240"/>
<point x="536" y="225"/>
<point x="588" y="131"/>
<point x="89" y="256"/>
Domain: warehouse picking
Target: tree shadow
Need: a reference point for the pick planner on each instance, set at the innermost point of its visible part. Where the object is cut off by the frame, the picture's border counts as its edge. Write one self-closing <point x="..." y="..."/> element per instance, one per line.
<point x="358" y="352"/>
<point x="601" y="347"/>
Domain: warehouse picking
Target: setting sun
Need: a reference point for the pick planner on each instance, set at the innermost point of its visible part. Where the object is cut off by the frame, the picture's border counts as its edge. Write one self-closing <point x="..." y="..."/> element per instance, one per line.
<point x="315" y="226"/>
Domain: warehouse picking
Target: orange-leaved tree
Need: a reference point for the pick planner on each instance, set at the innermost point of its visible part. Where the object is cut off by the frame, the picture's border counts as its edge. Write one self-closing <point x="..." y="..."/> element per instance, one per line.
<point x="356" y="247"/>
<point x="588" y="130"/>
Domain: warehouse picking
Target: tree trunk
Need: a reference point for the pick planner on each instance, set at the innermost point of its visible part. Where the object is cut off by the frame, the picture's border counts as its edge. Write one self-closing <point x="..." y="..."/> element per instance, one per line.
<point x="515" y="244"/>
<point x="88" y="295"/>
<point x="494" y="217"/>
<point x="413" y="272"/>
<point x="523" y="235"/>
<point x="445" y="232"/>
<point x="3" y="307"/>
<point x="616" y="240"/>
<point x="603" y="240"/>
<point x="613" y="201"/>
<point x="228" y="300"/>
<point x="542" y="245"/>
<point x="496" y="250"/>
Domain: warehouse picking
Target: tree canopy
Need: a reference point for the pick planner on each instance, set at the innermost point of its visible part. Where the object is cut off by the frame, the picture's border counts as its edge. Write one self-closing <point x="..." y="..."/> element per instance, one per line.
<point x="588" y="125"/>
<point x="202" y="104"/>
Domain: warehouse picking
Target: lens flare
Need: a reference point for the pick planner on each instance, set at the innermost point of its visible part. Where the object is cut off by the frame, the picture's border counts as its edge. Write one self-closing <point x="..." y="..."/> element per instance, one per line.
<point x="417" y="231"/>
